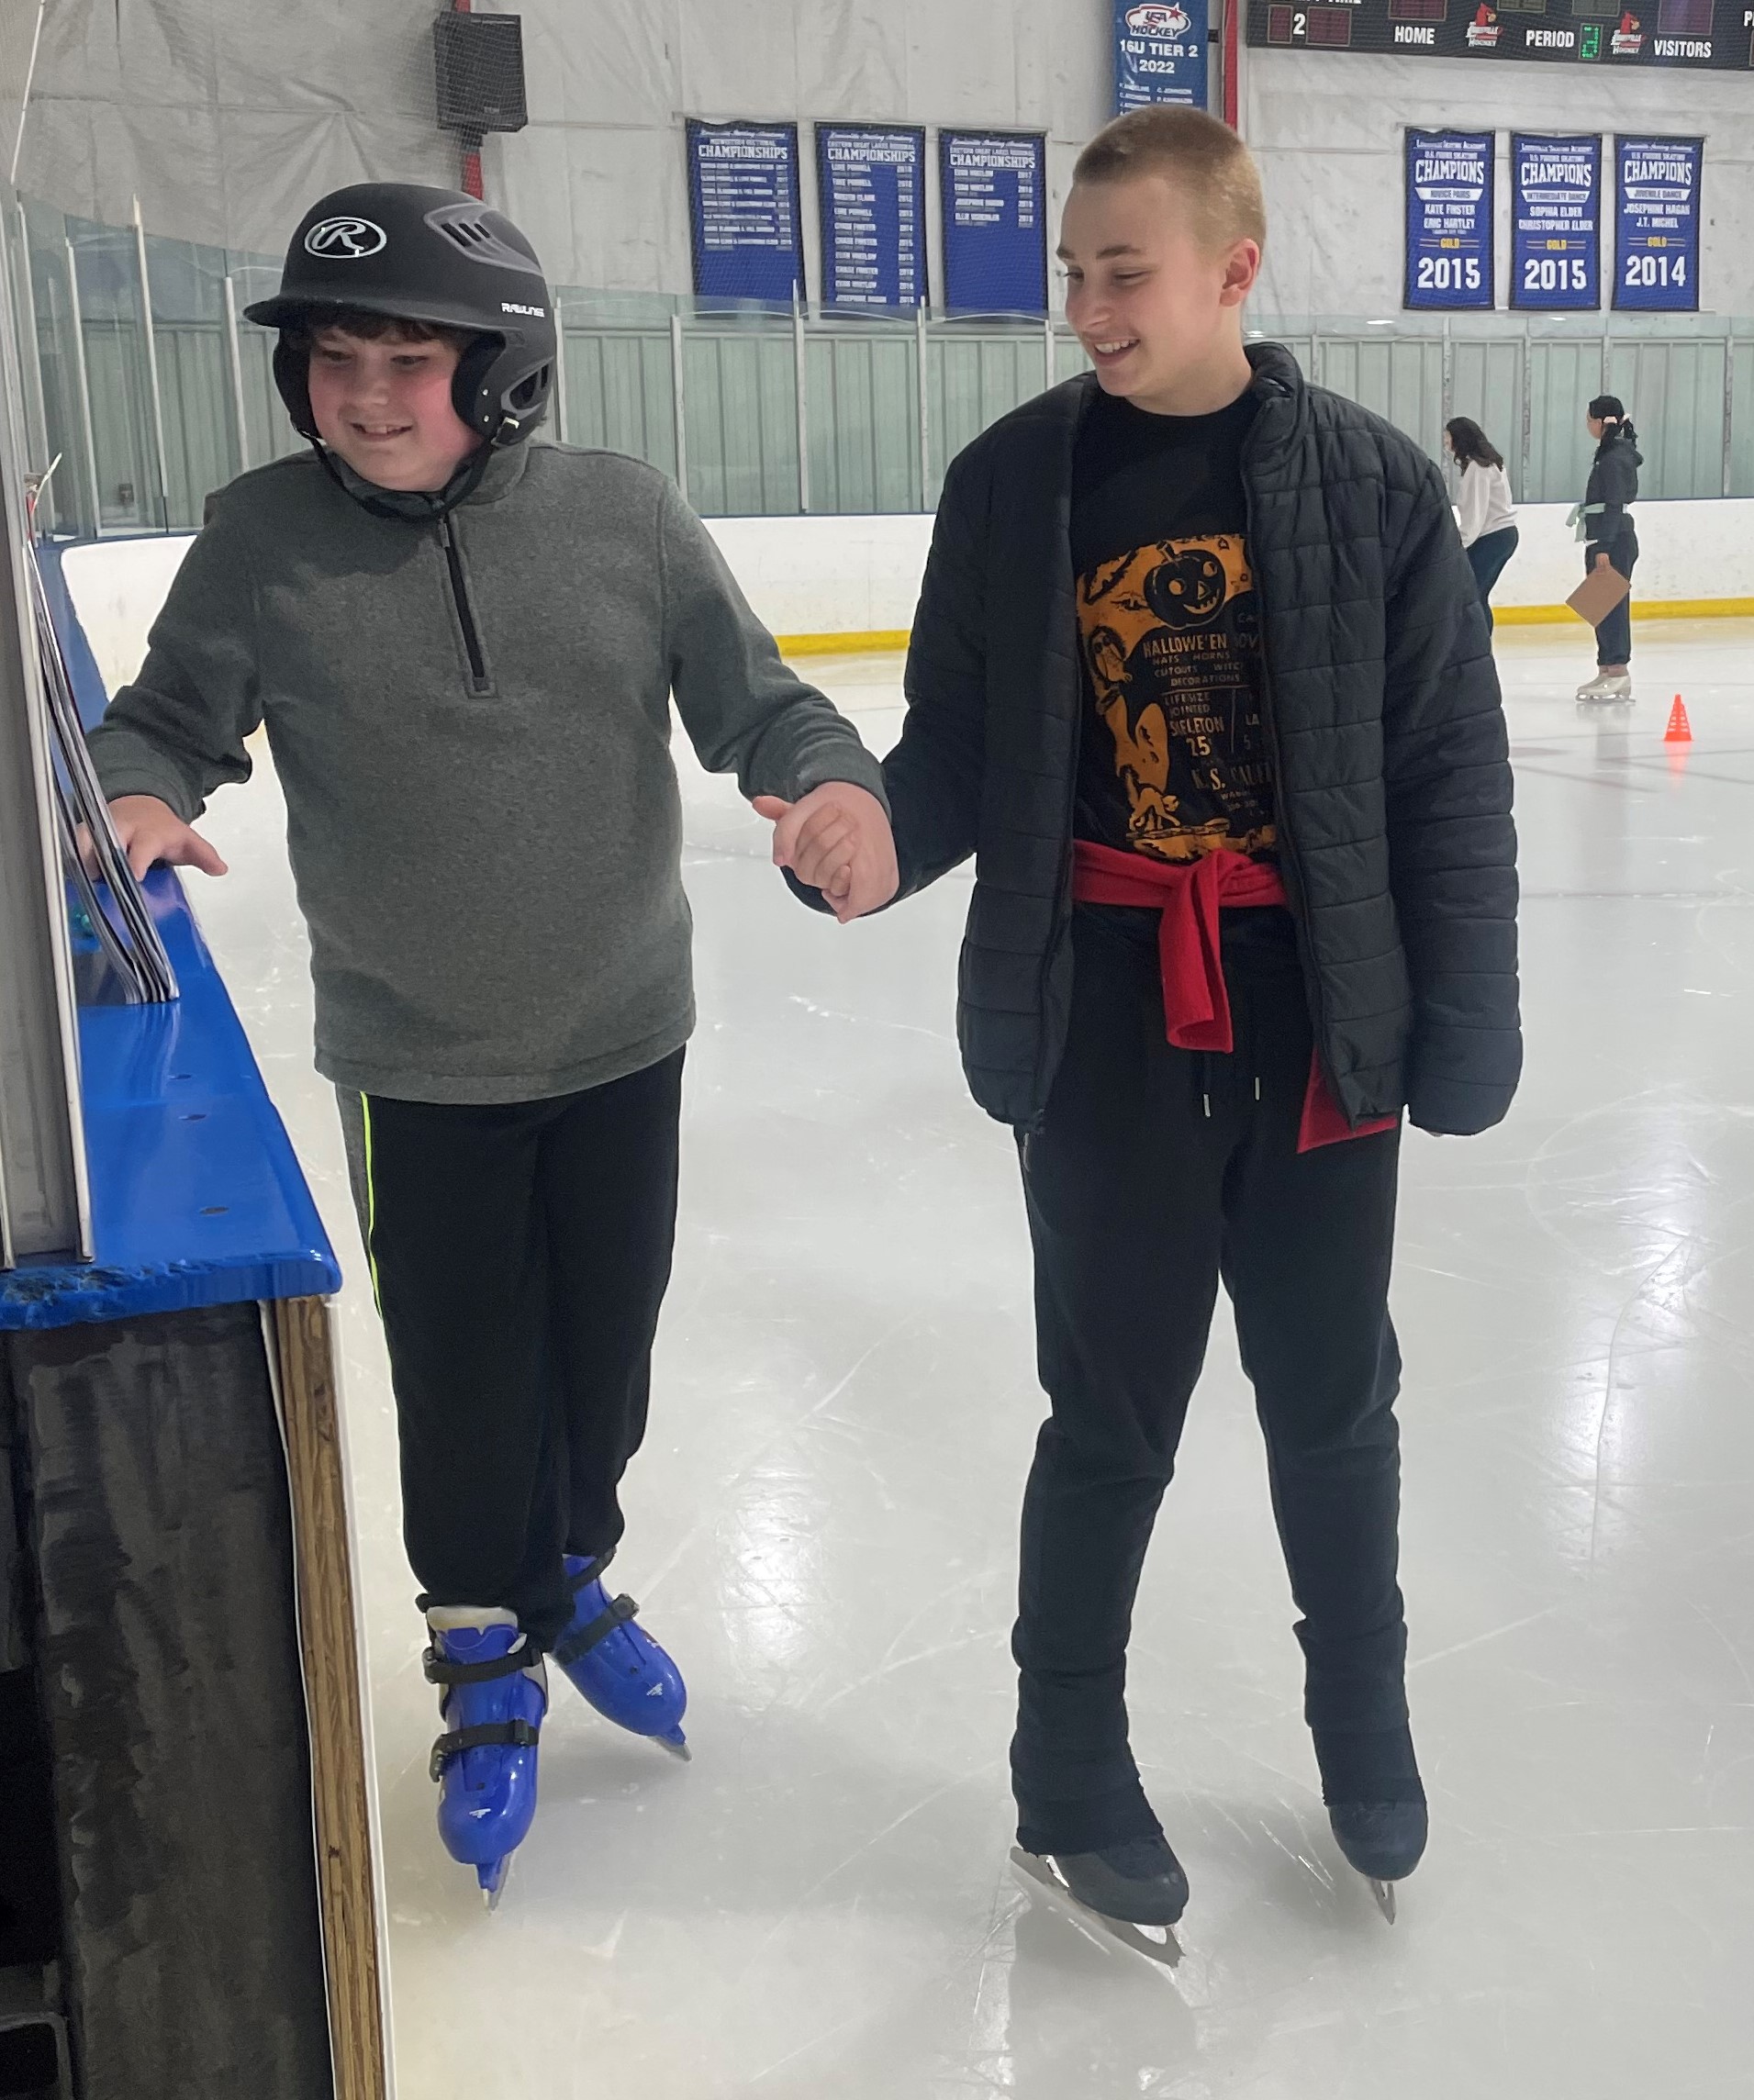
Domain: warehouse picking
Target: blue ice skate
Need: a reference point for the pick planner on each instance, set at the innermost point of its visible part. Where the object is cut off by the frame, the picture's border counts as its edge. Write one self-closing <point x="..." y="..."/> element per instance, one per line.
<point x="495" y="1692"/>
<point x="616" y="1665"/>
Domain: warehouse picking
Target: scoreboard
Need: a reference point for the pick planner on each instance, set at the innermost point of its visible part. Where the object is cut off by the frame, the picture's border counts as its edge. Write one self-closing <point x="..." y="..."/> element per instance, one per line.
<point x="1612" y="33"/>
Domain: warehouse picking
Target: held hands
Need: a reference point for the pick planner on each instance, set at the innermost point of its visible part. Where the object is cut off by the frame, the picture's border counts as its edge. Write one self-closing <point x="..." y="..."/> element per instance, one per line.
<point x="836" y="839"/>
<point x="151" y="834"/>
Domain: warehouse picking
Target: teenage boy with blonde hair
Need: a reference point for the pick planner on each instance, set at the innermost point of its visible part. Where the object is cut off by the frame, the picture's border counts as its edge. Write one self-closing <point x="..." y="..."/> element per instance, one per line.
<point x="1200" y="677"/>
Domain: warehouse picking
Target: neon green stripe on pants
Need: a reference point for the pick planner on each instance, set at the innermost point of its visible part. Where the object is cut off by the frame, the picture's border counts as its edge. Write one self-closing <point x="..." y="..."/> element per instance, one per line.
<point x="371" y="1207"/>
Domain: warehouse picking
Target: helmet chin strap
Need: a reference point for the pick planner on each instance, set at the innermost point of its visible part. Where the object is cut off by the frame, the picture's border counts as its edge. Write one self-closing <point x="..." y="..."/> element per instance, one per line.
<point x="412" y="505"/>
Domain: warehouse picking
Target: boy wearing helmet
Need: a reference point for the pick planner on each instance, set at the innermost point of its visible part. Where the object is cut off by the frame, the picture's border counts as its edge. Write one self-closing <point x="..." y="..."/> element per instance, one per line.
<point x="463" y="650"/>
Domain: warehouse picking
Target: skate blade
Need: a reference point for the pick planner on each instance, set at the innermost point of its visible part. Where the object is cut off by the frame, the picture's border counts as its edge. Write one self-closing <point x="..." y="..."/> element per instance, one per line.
<point x="677" y="1745"/>
<point x="1384" y="1892"/>
<point x="1038" y="1878"/>
<point x="493" y="1882"/>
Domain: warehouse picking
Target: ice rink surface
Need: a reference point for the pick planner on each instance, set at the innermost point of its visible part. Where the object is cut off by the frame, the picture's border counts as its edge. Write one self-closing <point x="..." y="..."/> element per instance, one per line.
<point x="823" y="1530"/>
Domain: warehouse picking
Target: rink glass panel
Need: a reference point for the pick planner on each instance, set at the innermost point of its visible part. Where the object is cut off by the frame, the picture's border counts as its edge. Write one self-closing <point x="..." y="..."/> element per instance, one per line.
<point x="750" y="378"/>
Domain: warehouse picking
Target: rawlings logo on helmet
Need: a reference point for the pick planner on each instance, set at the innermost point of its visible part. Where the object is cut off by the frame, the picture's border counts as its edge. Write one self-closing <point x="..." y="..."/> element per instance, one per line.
<point x="345" y="239"/>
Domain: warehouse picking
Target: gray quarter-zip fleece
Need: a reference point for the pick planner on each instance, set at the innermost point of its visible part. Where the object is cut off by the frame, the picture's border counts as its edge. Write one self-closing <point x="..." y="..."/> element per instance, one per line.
<point x="471" y="723"/>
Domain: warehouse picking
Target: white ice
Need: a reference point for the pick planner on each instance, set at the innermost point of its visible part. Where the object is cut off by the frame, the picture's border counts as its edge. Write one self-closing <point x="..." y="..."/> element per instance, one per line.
<point x="823" y="1530"/>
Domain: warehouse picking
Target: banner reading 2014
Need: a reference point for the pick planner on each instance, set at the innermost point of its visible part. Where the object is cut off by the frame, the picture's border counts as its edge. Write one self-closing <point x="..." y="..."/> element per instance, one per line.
<point x="1656" y="248"/>
<point x="1449" y="221"/>
<point x="1556" y="223"/>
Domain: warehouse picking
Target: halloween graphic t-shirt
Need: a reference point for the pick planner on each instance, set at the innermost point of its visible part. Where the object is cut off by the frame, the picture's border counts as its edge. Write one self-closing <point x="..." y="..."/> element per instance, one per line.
<point x="1173" y="759"/>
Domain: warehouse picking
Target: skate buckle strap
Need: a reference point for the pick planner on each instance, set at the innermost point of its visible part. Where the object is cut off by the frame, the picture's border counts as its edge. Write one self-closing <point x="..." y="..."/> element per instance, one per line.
<point x="521" y="1735"/>
<point x="441" y="1670"/>
<point x="594" y="1566"/>
<point x="581" y="1643"/>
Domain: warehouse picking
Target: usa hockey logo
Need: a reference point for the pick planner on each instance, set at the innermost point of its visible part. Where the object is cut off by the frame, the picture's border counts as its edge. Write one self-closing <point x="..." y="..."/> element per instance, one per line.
<point x="1158" y="19"/>
<point x="345" y="239"/>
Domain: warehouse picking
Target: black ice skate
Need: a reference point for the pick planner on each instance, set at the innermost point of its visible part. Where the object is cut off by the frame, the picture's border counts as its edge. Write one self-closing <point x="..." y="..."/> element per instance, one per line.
<point x="1376" y="1805"/>
<point x="1384" y="1840"/>
<point x="1133" y="1892"/>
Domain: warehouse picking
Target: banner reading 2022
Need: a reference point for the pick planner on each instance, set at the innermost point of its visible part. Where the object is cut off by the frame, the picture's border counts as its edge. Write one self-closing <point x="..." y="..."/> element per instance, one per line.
<point x="1449" y="221"/>
<point x="1556" y="223"/>
<point x="1160" y="53"/>
<point x="1656" y="248"/>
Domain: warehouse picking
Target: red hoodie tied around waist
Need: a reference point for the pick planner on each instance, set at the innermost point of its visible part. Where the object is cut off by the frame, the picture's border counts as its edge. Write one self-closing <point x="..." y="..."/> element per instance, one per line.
<point x="1189" y="898"/>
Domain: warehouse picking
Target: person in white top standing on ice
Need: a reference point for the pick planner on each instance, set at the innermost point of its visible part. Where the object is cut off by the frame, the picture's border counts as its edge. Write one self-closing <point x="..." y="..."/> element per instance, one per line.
<point x="1487" y="513"/>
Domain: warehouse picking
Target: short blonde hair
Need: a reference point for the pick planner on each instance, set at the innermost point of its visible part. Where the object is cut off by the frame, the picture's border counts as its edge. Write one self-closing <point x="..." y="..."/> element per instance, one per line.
<point x="1205" y="160"/>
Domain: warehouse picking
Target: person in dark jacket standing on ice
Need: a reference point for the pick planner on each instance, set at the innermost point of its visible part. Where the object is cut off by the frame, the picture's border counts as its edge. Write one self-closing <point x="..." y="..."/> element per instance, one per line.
<point x="1201" y="676"/>
<point x="1610" y="540"/>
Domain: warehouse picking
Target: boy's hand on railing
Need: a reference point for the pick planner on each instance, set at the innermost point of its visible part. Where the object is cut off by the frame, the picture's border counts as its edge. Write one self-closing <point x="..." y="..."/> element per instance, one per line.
<point x="836" y="839"/>
<point x="151" y="834"/>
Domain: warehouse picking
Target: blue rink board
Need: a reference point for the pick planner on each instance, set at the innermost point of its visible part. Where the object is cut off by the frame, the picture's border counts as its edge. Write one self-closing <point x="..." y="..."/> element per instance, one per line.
<point x="198" y="1198"/>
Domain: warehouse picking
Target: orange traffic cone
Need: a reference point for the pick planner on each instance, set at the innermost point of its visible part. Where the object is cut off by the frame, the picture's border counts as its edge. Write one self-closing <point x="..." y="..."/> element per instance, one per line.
<point x="1678" y="730"/>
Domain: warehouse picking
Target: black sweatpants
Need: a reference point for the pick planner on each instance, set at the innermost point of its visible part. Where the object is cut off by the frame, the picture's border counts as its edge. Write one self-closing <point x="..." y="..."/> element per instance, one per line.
<point x="1614" y="637"/>
<point x="1139" y="1202"/>
<point x="521" y="1254"/>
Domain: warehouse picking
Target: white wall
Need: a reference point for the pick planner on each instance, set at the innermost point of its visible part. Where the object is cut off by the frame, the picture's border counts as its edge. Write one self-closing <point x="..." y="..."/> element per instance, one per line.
<point x="226" y="120"/>
<point x="858" y="575"/>
<point x="1327" y="129"/>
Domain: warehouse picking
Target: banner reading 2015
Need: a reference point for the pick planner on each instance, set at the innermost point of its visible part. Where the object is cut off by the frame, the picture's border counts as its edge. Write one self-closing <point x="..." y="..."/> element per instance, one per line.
<point x="1656" y="248"/>
<point x="1449" y="221"/>
<point x="1556" y="222"/>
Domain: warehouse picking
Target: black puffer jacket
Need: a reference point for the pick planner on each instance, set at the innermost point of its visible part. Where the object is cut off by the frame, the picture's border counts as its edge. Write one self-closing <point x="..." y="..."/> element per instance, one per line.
<point x="1382" y="709"/>
<point x="1614" y="484"/>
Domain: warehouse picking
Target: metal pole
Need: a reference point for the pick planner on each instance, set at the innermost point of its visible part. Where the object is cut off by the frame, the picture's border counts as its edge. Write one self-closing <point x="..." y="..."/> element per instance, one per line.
<point x="801" y="385"/>
<point x="234" y="357"/>
<point x="1447" y="400"/>
<point x="1729" y="415"/>
<point x="45" y="1201"/>
<point x="675" y="388"/>
<point x="924" y="389"/>
<point x="1524" y="492"/>
<point x="1049" y="371"/>
<point x="560" y="377"/>
<point x="152" y="366"/>
<point x="24" y="100"/>
<point x="84" y="391"/>
<point x="30" y="349"/>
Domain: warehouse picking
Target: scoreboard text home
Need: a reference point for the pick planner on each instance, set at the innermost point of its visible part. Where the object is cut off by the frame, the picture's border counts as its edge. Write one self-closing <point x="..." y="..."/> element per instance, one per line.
<point x="1717" y="33"/>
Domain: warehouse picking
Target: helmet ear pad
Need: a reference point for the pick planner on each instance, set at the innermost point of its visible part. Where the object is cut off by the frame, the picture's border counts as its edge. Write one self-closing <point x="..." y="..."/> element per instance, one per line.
<point x="292" y="377"/>
<point x="497" y="391"/>
<point x="481" y="415"/>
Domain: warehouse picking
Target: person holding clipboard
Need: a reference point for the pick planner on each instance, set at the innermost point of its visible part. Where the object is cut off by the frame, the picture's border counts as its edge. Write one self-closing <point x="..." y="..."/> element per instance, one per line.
<point x="1603" y="521"/>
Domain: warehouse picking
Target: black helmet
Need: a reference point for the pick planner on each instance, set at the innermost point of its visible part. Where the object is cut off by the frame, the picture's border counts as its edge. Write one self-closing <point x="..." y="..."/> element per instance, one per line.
<point x="419" y="254"/>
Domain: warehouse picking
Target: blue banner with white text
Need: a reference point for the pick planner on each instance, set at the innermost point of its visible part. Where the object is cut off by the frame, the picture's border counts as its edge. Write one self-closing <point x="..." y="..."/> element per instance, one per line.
<point x="1556" y="223"/>
<point x="1450" y="221"/>
<point x="872" y="190"/>
<point x="1161" y="52"/>
<point x="1656" y="244"/>
<point x="744" y="211"/>
<point x="994" y="199"/>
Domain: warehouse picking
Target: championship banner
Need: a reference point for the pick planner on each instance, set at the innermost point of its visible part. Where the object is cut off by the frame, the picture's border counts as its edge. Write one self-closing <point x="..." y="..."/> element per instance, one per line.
<point x="744" y="211"/>
<point x="1656" y="246"/>
<point x="994" y="195"/>
<point x="1556" y="223"/>
<point x="1450" y="194"/>
<point x="1161" y="49"/>
<point x="872" y="186"/>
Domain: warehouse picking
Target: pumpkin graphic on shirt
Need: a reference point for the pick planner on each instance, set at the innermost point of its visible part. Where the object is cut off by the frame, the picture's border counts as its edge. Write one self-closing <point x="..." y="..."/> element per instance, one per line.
<point x="1190" y="589"/>
<point x="1171" y="637"/>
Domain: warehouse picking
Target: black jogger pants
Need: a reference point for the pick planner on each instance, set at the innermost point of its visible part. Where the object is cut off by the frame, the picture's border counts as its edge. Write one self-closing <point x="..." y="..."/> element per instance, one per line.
<point x="521" y="1254"/>
<point x="1139" y="1202"/>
